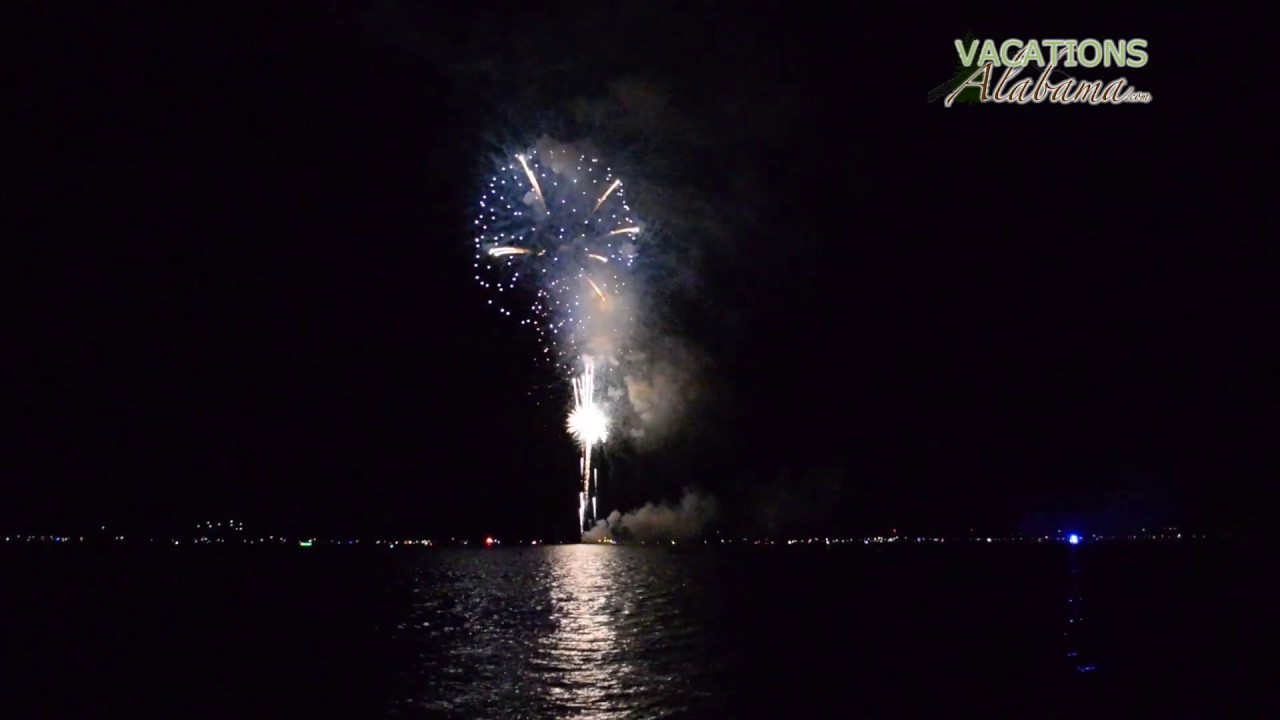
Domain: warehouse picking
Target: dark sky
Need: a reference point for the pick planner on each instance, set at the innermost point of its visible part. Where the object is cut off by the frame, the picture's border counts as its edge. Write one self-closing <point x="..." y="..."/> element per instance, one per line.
<point x="240" y="284"/>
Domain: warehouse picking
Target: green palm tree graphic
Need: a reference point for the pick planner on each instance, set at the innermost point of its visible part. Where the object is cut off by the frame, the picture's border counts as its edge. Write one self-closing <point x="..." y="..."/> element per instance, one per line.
<point x="964" y="72"/>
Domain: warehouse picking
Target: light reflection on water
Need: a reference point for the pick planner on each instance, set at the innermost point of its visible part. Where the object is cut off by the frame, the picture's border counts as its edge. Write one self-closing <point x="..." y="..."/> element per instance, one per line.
<point x="1076" y="631"/>
<point x="587" y="631"/>
<point x="562" y="631"/>
<point x="584" y="646"/>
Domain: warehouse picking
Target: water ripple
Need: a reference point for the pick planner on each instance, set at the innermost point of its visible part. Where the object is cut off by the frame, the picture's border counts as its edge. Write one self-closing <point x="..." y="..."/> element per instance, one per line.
<point x="569" y="631"/>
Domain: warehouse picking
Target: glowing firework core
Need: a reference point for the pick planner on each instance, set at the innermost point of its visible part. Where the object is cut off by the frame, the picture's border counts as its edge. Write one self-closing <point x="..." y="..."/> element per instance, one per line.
<point x="589" y="425"/>
<point x="587" y="421"/>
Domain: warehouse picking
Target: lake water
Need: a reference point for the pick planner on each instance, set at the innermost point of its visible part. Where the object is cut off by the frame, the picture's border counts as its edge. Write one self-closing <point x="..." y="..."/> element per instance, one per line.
<point x="1029" y="631"/>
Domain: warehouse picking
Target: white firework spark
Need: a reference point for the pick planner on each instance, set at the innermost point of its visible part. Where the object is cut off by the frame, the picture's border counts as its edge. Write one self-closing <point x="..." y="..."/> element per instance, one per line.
<point x="547" y="219"/>
<point x="587" y="422"/>
<point x="555" y="230"/>
<point x="589" y="425"/>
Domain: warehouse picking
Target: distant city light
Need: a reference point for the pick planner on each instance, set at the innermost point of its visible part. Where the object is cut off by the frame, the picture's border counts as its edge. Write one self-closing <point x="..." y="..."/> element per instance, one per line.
<point x="204" y="536"/>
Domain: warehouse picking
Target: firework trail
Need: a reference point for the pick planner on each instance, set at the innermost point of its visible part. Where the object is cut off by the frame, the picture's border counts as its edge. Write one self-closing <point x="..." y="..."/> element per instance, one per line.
<point x="588" y="425"/>
<point x="554" y="227"/>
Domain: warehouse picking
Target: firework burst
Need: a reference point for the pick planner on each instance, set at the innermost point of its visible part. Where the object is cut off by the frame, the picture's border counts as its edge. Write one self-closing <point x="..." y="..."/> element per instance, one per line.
<point x="555" y="233"/>
<point x="552" y="226"/>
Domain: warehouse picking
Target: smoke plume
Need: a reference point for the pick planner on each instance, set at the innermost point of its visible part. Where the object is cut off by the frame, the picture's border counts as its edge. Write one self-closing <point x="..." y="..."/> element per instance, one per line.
<point x="658" y="522"/>
<point x="661" y="386"/>
<point x="648" y="376"/>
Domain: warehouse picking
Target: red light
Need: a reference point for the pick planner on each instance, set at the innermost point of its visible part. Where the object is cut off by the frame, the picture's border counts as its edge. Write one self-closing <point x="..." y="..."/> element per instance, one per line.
<point x="488" y="541"/>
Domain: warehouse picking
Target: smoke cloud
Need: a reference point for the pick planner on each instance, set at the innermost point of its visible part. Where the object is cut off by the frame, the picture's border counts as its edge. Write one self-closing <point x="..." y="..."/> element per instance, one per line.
<point x="647" y="376"/>
<point x="661" y="386"/>
<point x="658" y="522"/>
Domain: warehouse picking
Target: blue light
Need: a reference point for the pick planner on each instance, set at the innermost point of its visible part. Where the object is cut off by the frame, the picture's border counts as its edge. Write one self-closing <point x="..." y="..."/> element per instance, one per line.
<point x="1074" y="539"/>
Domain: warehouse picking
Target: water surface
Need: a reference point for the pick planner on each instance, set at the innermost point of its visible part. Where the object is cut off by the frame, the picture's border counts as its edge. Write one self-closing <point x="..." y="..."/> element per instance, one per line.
<point x="598" y="631"/>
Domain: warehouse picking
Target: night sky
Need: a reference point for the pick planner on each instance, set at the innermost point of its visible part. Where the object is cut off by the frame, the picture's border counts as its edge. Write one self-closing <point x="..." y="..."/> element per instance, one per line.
<point x="240" y="284"/>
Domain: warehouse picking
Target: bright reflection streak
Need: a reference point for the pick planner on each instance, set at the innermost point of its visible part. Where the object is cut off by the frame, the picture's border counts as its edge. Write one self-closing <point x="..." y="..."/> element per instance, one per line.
<point x="561" y="631"/>
<point x="587" y="607"/>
